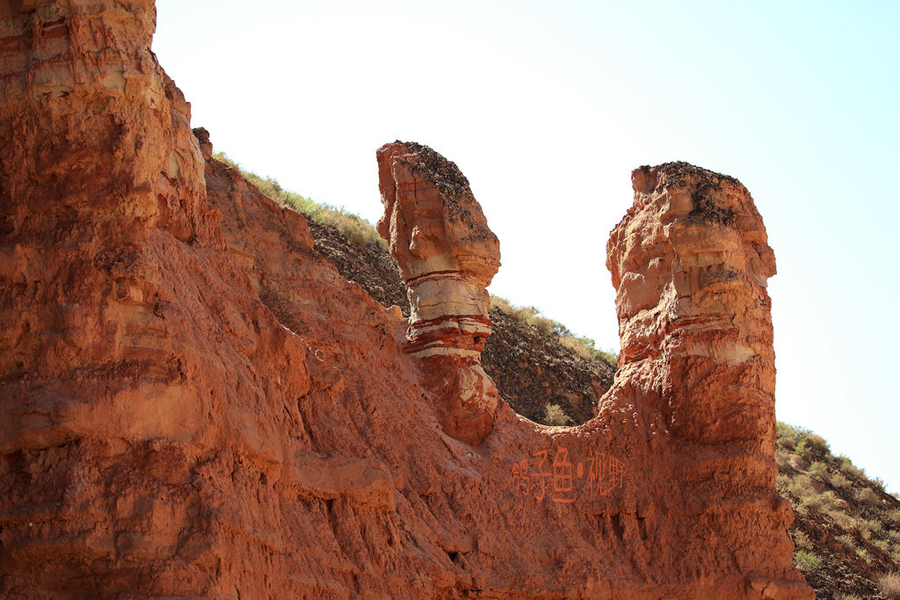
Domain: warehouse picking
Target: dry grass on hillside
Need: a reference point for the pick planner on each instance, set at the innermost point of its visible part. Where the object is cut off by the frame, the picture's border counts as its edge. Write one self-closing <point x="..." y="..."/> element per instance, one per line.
<point x="356" y="229"/>
<point x="846" y="523"/>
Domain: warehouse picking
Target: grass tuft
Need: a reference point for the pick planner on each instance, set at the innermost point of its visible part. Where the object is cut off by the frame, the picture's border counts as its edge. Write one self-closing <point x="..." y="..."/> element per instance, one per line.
<point x="889" y="585"/>
<point x="806" y="561"/>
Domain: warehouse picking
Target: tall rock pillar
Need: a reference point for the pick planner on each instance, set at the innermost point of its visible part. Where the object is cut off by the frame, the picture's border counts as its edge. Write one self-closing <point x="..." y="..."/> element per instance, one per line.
<point x="690" y="262"/>
<point x="447" y="257"/>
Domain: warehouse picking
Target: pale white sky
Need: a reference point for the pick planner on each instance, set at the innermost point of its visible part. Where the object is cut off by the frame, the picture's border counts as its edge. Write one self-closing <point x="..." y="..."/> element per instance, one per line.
<point x="547" y="107"/>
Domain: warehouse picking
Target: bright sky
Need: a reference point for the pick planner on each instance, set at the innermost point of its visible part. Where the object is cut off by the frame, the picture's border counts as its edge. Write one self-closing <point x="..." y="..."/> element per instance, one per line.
<point x="548" y="106"/>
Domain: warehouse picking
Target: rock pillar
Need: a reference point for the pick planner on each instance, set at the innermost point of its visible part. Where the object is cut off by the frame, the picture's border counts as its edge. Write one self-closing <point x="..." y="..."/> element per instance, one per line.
<point x="690" y="262"/>
<point x="447" y="257"/>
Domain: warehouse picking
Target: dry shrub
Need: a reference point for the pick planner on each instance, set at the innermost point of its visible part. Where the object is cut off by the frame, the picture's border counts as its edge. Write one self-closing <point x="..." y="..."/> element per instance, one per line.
<point x="788" y="443"/>
<point x="847" y="540"/>
<point x="555" y="415"/>
<point x="848" y="468"/>
<point x="819" y="470"/>
<point x="889" y="585"/>
<point x="798" y="462"/>
<point x="867" y="495"/>
<point x="783" y="460"/>
<point x="801" y="540"/>
<point x="839" y="481"/>
<point x="866" y="528"/>
<point x="842" y="519"/>
<point x="782" y="482"/>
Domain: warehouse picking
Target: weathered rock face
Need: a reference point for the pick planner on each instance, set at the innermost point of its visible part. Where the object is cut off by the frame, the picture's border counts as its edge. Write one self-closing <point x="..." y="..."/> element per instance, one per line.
<point x="446" y="253"/>
<point x="447" y="256"/>
<point x="195" y="404"/>
<point x="689" y="263"/>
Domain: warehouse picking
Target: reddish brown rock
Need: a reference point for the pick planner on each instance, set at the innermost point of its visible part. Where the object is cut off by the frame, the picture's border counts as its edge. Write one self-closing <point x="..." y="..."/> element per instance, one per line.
<point x="195" y="404"/>
<point x="447" y="257"/>
<point x="689" y="263"/>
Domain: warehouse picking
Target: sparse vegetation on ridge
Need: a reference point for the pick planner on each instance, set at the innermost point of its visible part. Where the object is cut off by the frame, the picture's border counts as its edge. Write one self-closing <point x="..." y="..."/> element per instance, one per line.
<point x="356" y="229"/>
<point x="846" y="522"/>
<point x="583" y="346"/>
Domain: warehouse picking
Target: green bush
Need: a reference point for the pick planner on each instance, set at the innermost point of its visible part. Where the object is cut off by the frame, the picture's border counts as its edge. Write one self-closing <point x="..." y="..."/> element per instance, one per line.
<point x="783" y="430"/>
<point x="812" y="447"/>
<point x="804" y="489"/>
<point x="806" y="561"/>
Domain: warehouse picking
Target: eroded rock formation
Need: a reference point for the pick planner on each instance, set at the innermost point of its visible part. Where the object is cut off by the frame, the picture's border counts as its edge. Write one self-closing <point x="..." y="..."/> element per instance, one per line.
<point x="195" y="404"/>
<point x="689" y="263"/>
<point x="447" y="257"/>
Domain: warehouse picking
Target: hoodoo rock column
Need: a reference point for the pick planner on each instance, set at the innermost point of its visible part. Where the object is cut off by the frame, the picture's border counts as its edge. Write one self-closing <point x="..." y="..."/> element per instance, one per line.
<point x="689" y="262"/>
<point x="447" y="257"/>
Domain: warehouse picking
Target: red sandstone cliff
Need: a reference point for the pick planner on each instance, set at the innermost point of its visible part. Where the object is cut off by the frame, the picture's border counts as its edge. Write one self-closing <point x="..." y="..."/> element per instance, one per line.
<point x="196" y="404"/>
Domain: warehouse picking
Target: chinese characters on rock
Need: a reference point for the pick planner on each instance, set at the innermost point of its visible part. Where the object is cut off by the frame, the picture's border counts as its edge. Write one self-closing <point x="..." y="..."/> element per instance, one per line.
<point x="556" y="479"/>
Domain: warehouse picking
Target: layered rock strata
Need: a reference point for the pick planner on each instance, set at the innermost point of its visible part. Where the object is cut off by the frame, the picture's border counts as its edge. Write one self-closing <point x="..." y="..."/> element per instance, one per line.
<point x="196" y="404"/>
<point x="447" y="257"/>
